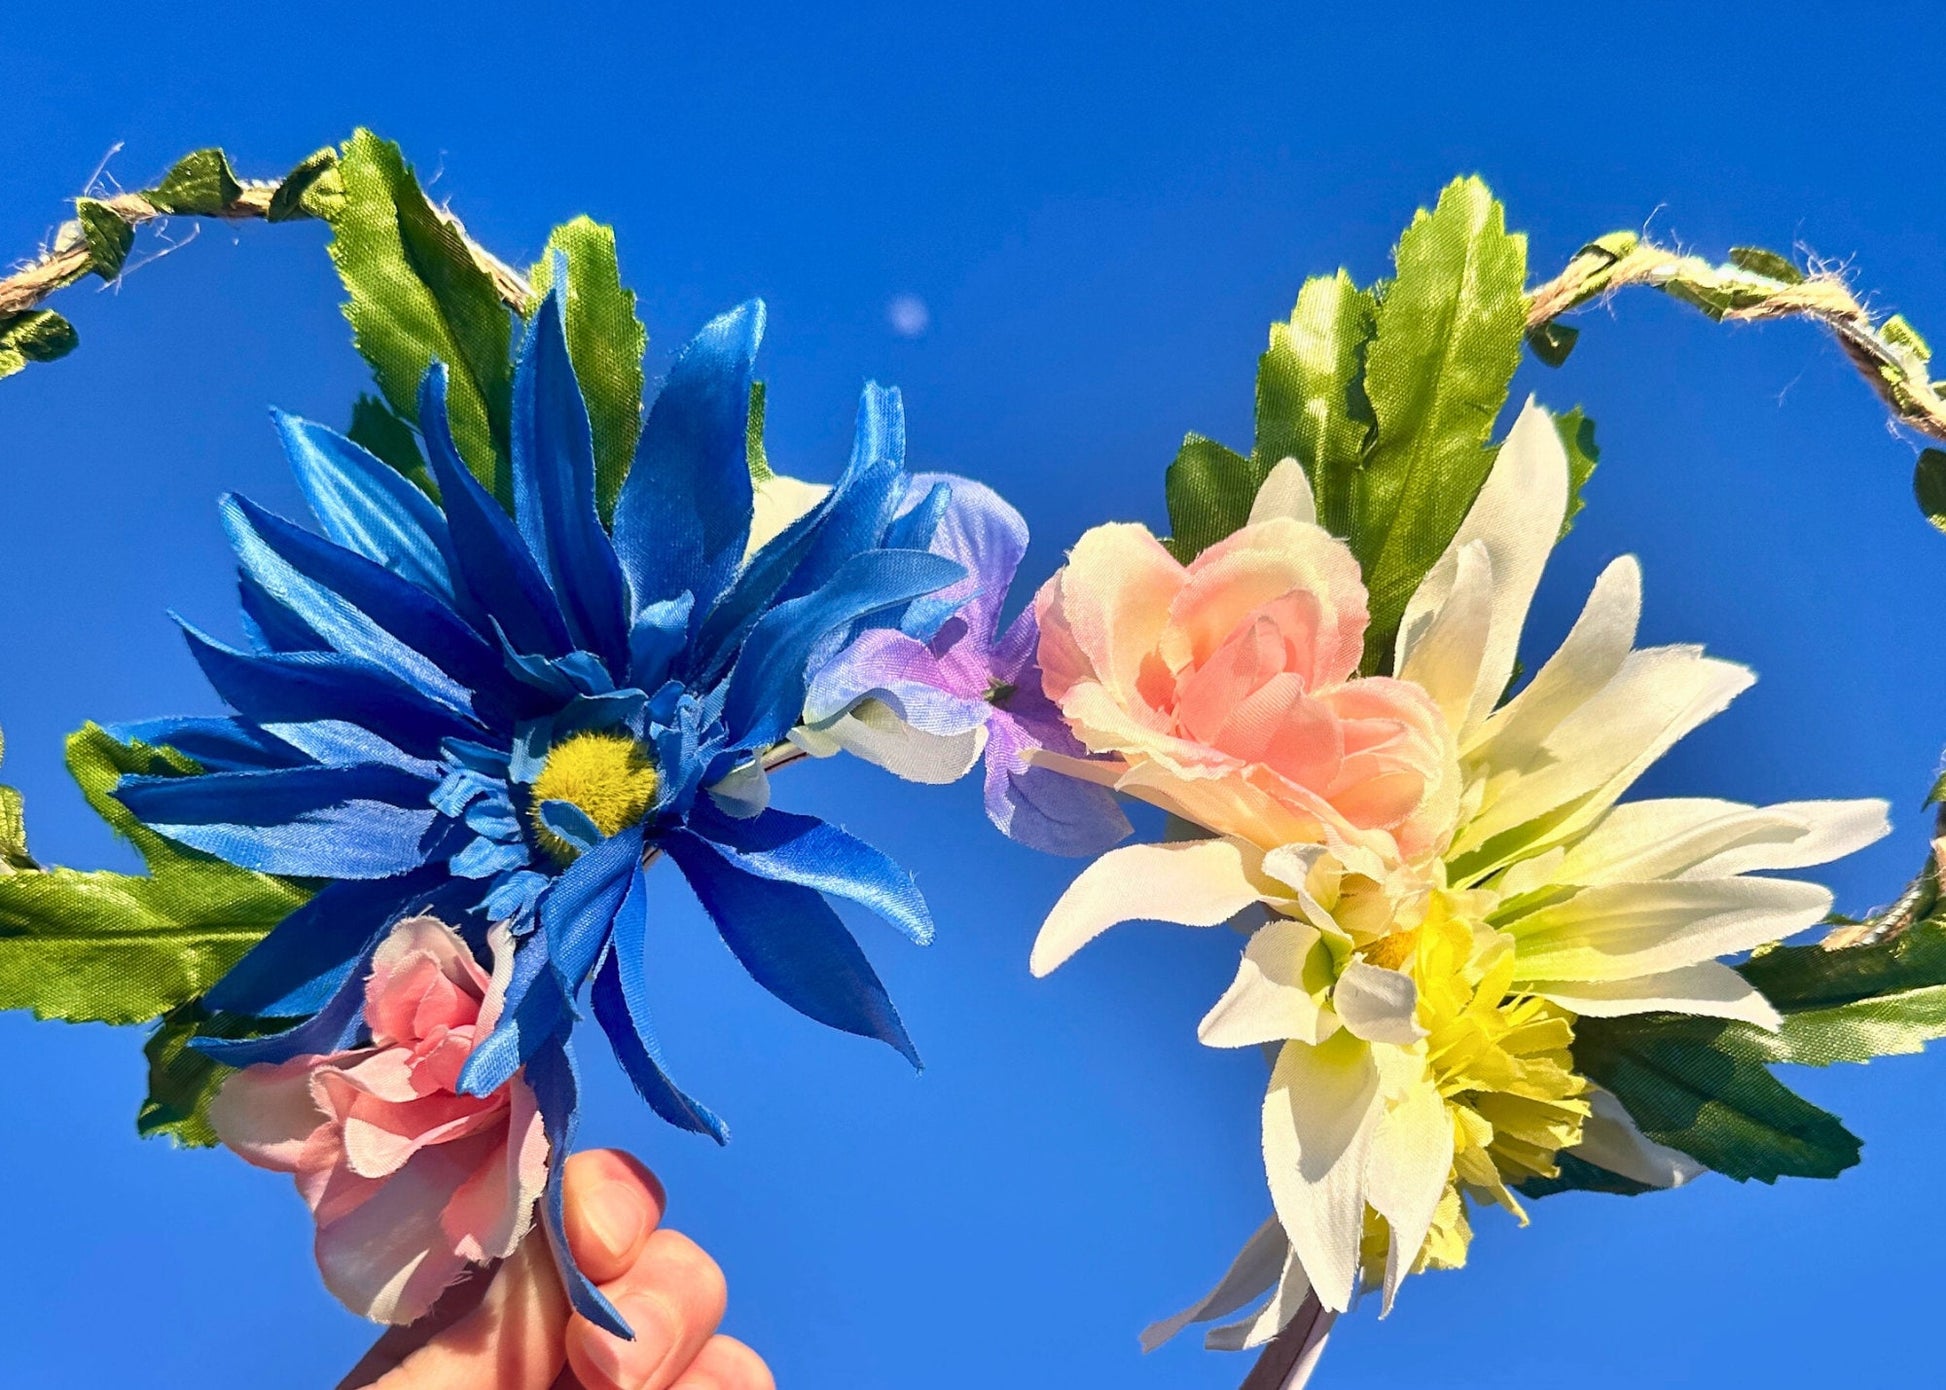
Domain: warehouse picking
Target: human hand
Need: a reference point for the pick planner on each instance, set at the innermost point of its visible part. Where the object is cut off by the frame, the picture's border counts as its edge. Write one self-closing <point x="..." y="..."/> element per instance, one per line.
<point x="511" y="1328"/>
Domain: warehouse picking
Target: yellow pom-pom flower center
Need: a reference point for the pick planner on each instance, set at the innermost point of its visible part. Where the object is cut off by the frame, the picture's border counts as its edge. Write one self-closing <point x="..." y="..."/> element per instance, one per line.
<point x="606" y="775"/>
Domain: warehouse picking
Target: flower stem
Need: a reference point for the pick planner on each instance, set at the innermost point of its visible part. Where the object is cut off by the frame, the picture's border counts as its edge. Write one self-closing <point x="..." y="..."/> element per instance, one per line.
<point x="1287" y="1363"/>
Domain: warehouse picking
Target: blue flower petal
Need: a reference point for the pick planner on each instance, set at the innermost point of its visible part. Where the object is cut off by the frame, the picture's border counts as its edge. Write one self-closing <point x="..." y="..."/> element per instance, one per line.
<point x="557" y="1090"/>
<point x="364" y="505"/>
<point x="817" y="855"/>
<point x="494" y="565"/>
<point x="297" y="969"/>
<point x="361" y="609"/>
<point x="683" y="518"/>
<point x="334" y="743"/>
<point x="298" y="687"/>
<point x="767" y="684"/>
<point x="217" y="744"/>
<point x="306" y="822"/>
<point x="792" y="944"/>
<point x="621" y="1002"/>
<point x="554" y="485"/>
<point x="269" y="626"/>
<point x="332" y="1028"/>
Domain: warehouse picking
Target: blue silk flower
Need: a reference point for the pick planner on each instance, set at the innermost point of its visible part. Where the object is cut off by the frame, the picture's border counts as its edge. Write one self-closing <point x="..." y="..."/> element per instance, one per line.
<point x="506" y="718"/>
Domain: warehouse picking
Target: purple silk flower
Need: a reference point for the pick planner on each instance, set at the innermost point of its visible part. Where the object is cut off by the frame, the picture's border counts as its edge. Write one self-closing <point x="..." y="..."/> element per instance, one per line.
<point x="927" y="698"/>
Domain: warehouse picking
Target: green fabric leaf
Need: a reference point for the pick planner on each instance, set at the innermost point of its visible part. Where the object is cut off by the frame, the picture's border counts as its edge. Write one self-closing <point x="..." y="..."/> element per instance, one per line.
<point x="14" y="857"/>
<point x="201" y="183"/>
<point x="1447" y="340"/>
<point x="1577" y="433"/>
<point x="1852" y="1004"/>
<point x="605" y="342"/>
<point x="1769" y="264"/>
<point x="753" y="437"/>
<point x="313" y="189"/>
<point x="182" y="1081"/>
<point x="376" y="429"/>
<point x="39" y="335"/>
<point x="1210" y="489"/>
<point x="122" y="948"/>
<point x="417" y="295"/>
<point x="1311" y="402"/>
<point x="1552" y="342"/>
<point x="1689" y="1083"/>
<point x="108" y="237"/>
<point x="1929" y="486"/>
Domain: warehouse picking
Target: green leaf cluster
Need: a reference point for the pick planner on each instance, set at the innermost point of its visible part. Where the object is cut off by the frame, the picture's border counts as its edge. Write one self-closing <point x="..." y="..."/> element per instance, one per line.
<point x="182" y="1081"/>
<point x="125" y="948"/>
<point x="1386" y="396"/>
<point x="419" y="293"/>
<point x="1704" y="1086"/>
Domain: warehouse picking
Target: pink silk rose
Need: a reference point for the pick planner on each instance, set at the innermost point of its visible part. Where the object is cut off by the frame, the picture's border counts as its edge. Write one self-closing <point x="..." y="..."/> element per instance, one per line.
<point x="409" y="1181"/>
<point x="1227" y="690"/>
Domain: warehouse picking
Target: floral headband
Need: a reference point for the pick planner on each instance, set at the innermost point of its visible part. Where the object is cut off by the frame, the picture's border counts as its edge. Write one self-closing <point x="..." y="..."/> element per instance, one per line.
<point x="538" y="636"/>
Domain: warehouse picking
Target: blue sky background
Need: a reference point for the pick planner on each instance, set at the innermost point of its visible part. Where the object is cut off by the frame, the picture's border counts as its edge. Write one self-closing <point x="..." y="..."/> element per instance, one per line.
<point x="1103" y="210"/>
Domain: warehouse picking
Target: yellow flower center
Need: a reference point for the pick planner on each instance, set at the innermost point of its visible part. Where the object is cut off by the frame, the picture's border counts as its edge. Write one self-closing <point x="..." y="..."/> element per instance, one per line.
<point x="607" y="776"/>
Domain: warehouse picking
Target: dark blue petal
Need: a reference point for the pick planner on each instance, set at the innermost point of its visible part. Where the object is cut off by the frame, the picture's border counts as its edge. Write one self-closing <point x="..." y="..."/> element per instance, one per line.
<point x="557" y="1090"/>
<point x="217" y="745"/>
<point x="298" y="687"/>
<point x="621" y="1000"/>
<point x="271" y="627"/>
<point x="914" y="528"/>
<point x="305" y="822"/>
<point x="332" y="1028"/>
<point x="297" y="969"/>
<point x="533" y="1013"/>
<point x="766" y="691"/>
<point x="817" y="855"/>
<point x="554" y="485"/>
<point x="569" y="822"/>
<point x="364" y="505"/>
<point x="493" y="564"/>
<point x="361" y="609"/>
<point x="850" y="520"/>
<point x="792" y="944"/>
<point x="657" y="637"/>
<point x="683" y="518"/>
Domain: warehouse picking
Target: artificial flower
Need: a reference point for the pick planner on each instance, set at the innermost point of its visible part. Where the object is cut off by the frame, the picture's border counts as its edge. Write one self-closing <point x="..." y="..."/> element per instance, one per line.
<point x="504" y="717"/>
<point x="411" y="1182"/>
<point x="929" y="697"/>
<point x="1422" y="1008"/>
<point x="1226" y="690"/>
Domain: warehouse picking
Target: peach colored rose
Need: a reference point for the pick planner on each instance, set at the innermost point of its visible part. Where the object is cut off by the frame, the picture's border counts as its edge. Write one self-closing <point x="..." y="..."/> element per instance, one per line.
<point x="1227" y="690"/>
<point x="410" y="1182"/>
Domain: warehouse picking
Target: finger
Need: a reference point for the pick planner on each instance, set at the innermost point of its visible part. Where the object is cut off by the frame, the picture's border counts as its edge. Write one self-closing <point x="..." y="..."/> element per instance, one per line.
<point x="397" y="1343"/>
<point x="510" y="1340"/>
<point x="672" y="1298"/>
<point x="724" y="1363"/>
<point x="613" y="1205"/>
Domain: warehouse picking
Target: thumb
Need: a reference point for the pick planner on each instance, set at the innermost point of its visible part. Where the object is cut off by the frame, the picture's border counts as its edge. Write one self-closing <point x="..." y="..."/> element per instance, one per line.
<point x="503" y="1330"/>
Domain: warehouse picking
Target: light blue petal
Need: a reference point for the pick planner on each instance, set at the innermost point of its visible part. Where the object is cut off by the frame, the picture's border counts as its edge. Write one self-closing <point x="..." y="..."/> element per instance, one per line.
<point x="364" y="505"/>
<point x="557" y="1089"/>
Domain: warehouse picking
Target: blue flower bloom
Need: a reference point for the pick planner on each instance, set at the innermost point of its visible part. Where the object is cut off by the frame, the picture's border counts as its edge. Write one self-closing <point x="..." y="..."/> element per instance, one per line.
<point x="507" y="717"/>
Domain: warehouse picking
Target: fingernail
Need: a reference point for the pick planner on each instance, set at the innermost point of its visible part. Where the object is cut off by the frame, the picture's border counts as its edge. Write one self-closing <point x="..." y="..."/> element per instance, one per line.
<point x="632" y="1363"/>
<point x="615" y="1218"/>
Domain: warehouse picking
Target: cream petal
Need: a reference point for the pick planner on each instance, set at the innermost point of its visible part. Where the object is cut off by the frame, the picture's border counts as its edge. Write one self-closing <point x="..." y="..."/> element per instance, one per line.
<point x="1701" y="838"/>
<point x="1286" y="491"/>
<point x="1269" y="1000"/>
<point x="1251" y="1275"/>
<point x="777" y="502"/>
<point x="1623" y="930"/>
<point x="1443" y="649"/>
<point x="1319" y="1114"/>
<point x="1518" y="516"/>
<point x="1585" y="662"/>
<point x="1411" y="1161"/>
<point x="1610" y="1139"/>
<point x="742" y="792"/>
<point x="1377" y="1004"/>
<point x="1198" y="883"/>
<point x="1709" y="989"/>
<point x="1593" y="756"/>
<point x="1287" y="1301"/>
<point x="871" y="731"/>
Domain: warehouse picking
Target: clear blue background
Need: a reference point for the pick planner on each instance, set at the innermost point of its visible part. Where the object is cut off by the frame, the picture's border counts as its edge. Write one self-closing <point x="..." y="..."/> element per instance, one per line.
<point x="1103" y="211"/>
